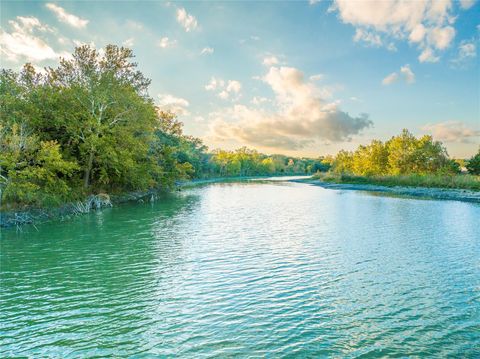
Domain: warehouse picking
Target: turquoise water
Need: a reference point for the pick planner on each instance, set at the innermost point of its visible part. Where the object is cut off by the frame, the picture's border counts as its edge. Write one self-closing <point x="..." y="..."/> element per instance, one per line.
<point x="257" y="269"/>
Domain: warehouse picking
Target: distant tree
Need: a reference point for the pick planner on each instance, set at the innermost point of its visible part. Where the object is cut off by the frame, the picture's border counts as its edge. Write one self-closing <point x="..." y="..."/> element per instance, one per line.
<point x="402" y="154"/>
<point x="473" y="165"/>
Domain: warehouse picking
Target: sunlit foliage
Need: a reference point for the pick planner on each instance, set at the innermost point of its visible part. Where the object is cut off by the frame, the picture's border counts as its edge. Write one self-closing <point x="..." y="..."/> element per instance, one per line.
<point x="401" y="155"/>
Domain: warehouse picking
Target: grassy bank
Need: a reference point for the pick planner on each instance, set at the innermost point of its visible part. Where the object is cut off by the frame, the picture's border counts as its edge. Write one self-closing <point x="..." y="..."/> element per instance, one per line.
<point x="459" y="181"/>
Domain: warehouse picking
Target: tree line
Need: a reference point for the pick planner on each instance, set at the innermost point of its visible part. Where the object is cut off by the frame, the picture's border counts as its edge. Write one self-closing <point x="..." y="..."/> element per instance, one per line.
<point x="404" y="154"/>
<point x="90" y="126"/>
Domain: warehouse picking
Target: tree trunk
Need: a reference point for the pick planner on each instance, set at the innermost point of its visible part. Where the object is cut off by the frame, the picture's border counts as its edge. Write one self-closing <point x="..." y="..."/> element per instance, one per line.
<point x="88" y="170"/>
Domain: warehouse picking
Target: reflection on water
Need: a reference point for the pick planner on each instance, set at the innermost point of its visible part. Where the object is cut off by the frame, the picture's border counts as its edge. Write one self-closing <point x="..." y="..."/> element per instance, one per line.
<point x="247" y="269"/>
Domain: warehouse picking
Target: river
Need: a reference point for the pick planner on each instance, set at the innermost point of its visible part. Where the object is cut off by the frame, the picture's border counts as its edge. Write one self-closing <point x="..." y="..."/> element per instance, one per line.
<point x="248" y="269"/>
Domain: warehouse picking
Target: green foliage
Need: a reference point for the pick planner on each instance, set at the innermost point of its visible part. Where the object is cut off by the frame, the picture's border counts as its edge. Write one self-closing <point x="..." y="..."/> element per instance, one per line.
<point x="248" y="162"/>
<point x="33" y="172"/>
<point x="473" y="165"/>
<point x="401" y="155"/>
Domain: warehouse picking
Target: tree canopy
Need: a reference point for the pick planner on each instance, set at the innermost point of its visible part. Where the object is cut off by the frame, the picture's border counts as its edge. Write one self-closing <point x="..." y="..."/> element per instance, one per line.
<point x="401" y="155"/>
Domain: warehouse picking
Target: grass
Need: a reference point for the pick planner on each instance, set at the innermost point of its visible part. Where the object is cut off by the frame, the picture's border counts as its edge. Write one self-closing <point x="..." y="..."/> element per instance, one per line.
<point x="459" y="181"/>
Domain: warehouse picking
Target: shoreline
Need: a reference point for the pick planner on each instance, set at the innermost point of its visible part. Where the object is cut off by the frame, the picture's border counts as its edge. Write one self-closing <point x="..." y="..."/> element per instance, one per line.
<point x="33" y="216"/>
<point x="451" y="194"/>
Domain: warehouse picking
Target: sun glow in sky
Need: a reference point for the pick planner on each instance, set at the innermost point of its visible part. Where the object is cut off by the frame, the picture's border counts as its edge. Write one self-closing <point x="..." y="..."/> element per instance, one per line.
<point x="300" y="78"/>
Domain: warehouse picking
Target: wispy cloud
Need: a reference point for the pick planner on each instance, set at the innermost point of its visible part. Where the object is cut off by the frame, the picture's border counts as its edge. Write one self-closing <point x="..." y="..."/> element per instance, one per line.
<point x="188" y="21"/>
<point x="207" y="51"/>
<point x="270" y="60"/>
<point x="129" y="42"/>
<point x="316" y="77"/>
<point x="467" y="50"/>
<point x="225" y="89"/>
<point x="451" y="131"/>
<point x="166" y="42"/>
<point x="66" y="17"/>
<point x="405" y="73"/>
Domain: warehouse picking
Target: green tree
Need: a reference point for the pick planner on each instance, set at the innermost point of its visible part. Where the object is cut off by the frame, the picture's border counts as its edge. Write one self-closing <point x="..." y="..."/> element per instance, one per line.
<point x="32" y="172"/>
<point x="106" y="115"/>
<point x="473" y="165"/>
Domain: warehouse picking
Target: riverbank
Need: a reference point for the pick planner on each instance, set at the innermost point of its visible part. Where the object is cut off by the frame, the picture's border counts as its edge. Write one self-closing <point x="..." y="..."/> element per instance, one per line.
<point x="463" y="195"/>
<point x="451" y="181"/>
<point x="20" y="217"/>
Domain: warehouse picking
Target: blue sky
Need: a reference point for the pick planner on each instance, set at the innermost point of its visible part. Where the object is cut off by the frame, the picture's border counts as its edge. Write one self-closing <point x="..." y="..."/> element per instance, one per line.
<point x="301" y="78"/>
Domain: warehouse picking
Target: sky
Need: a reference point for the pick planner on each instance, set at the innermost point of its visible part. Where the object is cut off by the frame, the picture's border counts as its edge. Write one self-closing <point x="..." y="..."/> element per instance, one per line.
<point x="304" y="78"/>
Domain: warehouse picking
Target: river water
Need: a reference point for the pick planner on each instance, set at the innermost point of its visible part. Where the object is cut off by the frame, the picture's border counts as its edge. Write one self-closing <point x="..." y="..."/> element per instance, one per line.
<point x="250" y="269"/>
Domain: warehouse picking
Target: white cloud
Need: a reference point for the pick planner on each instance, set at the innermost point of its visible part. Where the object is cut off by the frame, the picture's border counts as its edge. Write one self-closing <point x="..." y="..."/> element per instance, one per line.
<point x="316" y="77"/>
<point x="301" y="116"/>
<point x="223" y="94"/>
<point x="173" y="104"/>
<point x="166" y="42"/>
<point x="467" y="50"/>
<point x="466" y="4"/>
<point x="391" y="47"/>
<point x="390" y="79"/>
<point x="128" y="42"/>
<point x="207" y="51"/>
<point x="408" y="74"/>
<point x="214" y="84"/>
<point x="257" y="100"/>
<point x="370" y="37"/>
<point x="65" y="17"/>
<point x="24" y="42"/>
<point x="188" y="21"/>
<point x="425" y="23"/>
<point x="270" y="60"/>
<point x="451" y="131"/>
<point x="428" y="55"/>
<point x="405" y="72"/>
<point x="227" y="89"/>
<point x="234" y="86"/>
<point x="417" y="34"/>
<point x="441" y="37"/>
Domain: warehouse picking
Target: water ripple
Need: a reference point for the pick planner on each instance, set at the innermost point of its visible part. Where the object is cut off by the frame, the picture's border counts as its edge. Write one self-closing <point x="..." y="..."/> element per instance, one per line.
<point x="247" y="270"/>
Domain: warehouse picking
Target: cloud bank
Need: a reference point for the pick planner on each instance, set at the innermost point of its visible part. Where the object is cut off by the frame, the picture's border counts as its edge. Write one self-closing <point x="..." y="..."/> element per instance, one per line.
<point x="300" y="117"/>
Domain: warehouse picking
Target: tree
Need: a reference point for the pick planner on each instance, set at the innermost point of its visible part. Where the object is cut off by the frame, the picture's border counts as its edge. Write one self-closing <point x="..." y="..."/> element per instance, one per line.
<point x="106" y="114"/>
<point x="473" y="165"/>
<point x="32" y="172"/>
